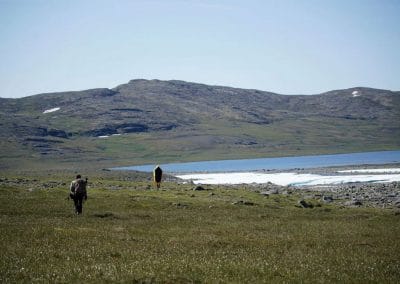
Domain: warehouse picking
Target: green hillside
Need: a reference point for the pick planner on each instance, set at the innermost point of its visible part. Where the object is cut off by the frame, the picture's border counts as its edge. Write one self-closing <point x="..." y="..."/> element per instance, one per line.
<point x="168" y="121"/>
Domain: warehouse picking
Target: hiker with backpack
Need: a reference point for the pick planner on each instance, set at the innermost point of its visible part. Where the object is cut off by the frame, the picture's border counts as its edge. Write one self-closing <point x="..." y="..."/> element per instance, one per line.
<point x="78" y="193"/>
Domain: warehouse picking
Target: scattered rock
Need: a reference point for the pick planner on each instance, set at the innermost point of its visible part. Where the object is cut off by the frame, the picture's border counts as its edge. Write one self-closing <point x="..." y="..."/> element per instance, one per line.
<point x="180" y="205"/>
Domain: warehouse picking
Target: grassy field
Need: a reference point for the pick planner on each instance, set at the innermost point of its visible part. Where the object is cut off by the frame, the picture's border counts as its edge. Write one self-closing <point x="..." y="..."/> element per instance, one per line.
<point x="132" y="233"/>
<point x="208" y="140"/>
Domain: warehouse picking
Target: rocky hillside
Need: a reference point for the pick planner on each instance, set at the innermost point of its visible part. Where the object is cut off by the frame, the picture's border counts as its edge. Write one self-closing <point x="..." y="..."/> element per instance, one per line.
<point x="196" y="118"/>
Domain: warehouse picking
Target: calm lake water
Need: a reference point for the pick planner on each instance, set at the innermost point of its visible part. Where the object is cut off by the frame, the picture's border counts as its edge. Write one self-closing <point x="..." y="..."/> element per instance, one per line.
<point x="283" y="163"/>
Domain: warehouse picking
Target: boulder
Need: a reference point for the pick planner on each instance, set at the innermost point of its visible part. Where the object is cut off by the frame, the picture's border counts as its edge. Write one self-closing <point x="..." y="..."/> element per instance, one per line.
<point x="269" y="192"/>
<point x="396" y="203"/>
<point x="327" y="199"/>
<point x="354" y="202"/>
<point x="305" y="204"/>
<point x="199" y="188"/>
<point x="57" y="133"/>
<point x="243" y="202"/>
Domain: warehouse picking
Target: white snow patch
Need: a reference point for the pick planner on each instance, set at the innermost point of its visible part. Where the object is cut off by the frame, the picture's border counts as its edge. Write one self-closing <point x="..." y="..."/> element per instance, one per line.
<point x="285" y="179"/>
<point x="392" y="170"/>
<point x="106" y="136"/>
<point x="51" y="110"/>
<point x="355" y="94"/>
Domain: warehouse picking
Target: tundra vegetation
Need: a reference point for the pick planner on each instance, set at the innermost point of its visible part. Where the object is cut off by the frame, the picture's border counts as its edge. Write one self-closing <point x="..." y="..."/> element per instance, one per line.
<point x="130" y="232"/>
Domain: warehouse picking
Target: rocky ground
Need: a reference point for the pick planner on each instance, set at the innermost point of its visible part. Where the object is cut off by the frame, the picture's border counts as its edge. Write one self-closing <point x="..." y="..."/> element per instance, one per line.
<point x="382" y="195"/>
<point x="378" y="195"/>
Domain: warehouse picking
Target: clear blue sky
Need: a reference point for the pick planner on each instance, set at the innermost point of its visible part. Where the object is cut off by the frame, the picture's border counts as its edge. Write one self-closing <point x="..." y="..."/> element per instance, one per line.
<point x="288" y="47"/>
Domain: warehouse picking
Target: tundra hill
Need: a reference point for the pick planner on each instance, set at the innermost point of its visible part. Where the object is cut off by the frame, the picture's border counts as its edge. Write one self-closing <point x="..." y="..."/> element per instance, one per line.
<point x="150" y="121"/>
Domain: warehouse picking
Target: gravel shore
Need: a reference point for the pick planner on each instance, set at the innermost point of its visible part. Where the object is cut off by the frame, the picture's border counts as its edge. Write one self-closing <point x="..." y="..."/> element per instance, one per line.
<point x="381" y="195"/>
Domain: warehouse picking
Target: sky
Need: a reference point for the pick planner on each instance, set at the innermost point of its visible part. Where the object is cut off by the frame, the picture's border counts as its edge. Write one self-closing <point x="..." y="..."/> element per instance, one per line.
<point x="282" y="46"/>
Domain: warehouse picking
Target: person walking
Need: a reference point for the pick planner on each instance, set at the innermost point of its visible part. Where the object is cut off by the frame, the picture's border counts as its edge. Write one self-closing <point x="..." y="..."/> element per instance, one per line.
<point x="157" y="176"/>
<point x="78" y="193"/>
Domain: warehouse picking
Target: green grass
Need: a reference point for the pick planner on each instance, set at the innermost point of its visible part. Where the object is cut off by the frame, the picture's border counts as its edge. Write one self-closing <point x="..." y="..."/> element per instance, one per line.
<point x="209" y="140"/>
<point x="129" y="233"/>
<point x="219" y="140"/>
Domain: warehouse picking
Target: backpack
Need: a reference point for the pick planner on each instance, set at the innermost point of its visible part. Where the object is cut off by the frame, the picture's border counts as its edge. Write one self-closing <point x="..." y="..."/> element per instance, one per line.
<point x="80" y="186"/>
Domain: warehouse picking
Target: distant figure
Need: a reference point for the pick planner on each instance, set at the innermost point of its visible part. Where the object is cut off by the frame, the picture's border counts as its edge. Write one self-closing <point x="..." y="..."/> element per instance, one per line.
<point x="157" y="176"/>
<point x="78" y="193"/>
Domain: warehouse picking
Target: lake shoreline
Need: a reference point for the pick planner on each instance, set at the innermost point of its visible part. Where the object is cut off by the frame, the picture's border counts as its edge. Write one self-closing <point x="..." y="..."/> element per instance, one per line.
<point x="350" y="194"/>
<point x="276" y="163"/>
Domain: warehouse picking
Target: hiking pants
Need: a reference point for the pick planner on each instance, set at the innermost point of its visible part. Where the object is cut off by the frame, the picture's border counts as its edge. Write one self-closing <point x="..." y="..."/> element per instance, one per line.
<point x="78" y="201"/>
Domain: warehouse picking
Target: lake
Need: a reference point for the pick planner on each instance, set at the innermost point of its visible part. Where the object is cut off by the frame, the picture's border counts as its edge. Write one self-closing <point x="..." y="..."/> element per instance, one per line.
<point x="282" y="163"/>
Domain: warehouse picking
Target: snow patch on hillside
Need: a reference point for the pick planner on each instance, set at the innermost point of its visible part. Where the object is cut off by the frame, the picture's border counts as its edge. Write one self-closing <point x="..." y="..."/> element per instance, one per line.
<point x="106" y="136"/>
<point x="355" y="94"/>
<point x="51" y="110"/>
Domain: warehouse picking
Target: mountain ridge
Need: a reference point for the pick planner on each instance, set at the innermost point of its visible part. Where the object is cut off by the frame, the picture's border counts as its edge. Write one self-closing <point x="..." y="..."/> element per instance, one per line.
<point x="183" y="120"/>
<point x="201" y="84"/>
